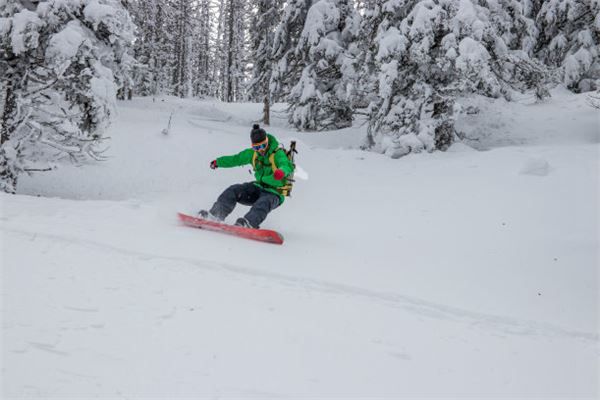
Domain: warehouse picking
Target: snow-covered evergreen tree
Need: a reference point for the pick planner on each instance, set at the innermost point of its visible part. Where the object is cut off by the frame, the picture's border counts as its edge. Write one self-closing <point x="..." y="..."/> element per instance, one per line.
<point x="321" y="99"/>
<point x="183" y="25"/>
<point x="570" y="39"/>
<point x="233" y="49"/>
<point x="203" y="51"/>
<point x="430" y="53"/>
<point x="366" y="49"/>
<point x="175" y="47"/>
<point x="287" y="64"/>
<point x="513" y="57"/>
<point x="512" y="21"/>
<point x="143" y="14"/>
<point x="262" y="28"/>
<point x="61" y="66"/>
<point x="154" y="46"/>
<point x="594" y="99"/>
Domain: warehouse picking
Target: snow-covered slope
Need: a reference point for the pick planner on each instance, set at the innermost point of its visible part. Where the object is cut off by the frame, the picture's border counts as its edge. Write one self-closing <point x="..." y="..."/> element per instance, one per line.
<point x="457" y="274"/>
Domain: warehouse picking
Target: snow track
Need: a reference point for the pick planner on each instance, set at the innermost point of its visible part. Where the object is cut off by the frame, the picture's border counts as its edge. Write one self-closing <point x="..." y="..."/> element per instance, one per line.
<point x="423" y="308"/>
<point x="161" y="319"/>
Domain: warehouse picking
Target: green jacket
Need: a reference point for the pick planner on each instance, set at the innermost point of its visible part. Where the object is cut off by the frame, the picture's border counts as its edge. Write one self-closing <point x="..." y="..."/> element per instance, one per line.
<point x="263" y="171"/>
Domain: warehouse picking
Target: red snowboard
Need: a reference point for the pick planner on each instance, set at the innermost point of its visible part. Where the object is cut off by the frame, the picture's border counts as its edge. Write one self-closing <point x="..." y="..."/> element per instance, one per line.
<point x="263" y="235"/>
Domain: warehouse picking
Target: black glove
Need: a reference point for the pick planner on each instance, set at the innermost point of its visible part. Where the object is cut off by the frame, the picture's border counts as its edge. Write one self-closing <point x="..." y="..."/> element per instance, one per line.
<point x="213" y="164"/>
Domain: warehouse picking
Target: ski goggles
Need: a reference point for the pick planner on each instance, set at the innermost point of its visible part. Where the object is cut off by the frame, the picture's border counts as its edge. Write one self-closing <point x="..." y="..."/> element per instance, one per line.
<point x="260" y="146"/>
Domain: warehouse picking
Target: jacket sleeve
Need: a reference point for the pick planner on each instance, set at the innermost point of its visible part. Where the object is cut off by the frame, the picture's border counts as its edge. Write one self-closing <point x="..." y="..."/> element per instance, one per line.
<point x="284" y="164"/>
<point x="244" y="157"/>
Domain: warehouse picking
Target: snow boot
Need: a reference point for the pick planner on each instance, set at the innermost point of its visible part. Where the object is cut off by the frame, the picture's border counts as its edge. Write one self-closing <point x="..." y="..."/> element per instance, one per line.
<point x="243" y="222"/>
<point x="207" y="215"/>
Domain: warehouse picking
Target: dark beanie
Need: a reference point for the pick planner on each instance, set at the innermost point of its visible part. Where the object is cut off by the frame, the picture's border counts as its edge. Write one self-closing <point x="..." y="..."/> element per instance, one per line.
<point x="257" y="134"/>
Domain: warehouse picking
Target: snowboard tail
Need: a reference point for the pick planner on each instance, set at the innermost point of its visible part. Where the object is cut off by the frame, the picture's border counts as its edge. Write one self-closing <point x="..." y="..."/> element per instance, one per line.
<point x="263" y="235"/>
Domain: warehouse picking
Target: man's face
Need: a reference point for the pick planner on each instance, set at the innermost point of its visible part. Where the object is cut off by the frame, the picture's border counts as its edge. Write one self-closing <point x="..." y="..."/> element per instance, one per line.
<point x="261" y="147"/>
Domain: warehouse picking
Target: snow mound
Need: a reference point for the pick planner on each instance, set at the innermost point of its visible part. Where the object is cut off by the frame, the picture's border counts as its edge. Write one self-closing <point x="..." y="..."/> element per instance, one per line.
<point x="563" y="119"/>
<point x="535" y="166"/>
<point x="459" y="147"/>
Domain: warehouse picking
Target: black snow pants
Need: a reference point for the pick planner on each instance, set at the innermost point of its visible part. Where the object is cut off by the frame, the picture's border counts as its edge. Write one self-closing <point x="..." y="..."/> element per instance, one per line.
<point x="248" y="194"/>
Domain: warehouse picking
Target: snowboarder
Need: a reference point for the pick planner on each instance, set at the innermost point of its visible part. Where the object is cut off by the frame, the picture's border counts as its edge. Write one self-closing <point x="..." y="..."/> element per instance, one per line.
<point x="271" y="167"/>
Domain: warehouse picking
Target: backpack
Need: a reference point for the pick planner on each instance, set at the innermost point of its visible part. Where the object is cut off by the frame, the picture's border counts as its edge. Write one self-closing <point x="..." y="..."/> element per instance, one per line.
<point x="285" y="190"/>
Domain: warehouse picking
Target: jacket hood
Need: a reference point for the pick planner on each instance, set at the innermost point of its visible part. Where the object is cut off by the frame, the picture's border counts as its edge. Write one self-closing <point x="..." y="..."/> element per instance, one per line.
<point x="273" y="143"/>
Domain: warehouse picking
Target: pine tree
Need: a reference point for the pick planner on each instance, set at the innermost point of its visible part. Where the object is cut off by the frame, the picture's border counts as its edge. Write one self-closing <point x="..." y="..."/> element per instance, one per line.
<point x="154" y="46"/>
<point x="513" y="58"/>
<point x="144" y="16"/>
<point x="366" y="65"/>
<point x="320" y="100"/>
<point x="512" y="21"/>
<point x="263" y="23"/>
<point x="61" y="66"/>
<point x="203" y="51"/>
<point x="232" y="46"/>
<point x="430" y="53"/>
<point x="183" y="25"/>
<point x="594" y="99"/>
<point x="164" y="48"/>
<point x="570" y="40"/>
<point x="287" y="65"/>
<point x="13" y="42"/>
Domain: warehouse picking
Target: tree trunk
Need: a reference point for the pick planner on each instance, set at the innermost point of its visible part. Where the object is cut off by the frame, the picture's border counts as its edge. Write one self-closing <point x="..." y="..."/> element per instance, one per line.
<point x="266" y="111"/>
<point x="8" y="111"/>
<point x="230" y="22"/>
<point x="444" y="131"/>
<point x="8" y="174"/>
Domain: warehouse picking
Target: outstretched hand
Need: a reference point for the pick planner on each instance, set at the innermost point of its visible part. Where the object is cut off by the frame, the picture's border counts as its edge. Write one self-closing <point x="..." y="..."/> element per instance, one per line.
<point x="213" y="164"/>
